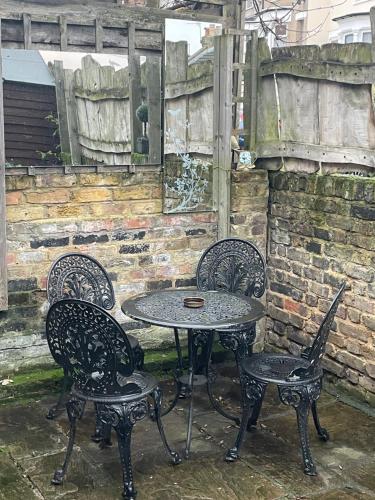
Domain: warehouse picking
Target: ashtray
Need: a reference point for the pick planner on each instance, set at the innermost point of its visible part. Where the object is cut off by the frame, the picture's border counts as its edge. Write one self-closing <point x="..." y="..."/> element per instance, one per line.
<point x="193" y="302"/>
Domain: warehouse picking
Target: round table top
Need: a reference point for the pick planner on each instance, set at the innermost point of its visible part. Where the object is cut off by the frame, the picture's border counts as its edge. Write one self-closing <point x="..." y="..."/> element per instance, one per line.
<point x="221" y="310"/>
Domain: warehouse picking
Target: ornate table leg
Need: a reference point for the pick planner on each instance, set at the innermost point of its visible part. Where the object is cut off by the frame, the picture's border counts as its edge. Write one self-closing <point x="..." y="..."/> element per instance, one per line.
<point x="190" y="386"/>
<point x="238" y="342"/>
<point x="156" y="395"/>
<point x="180" y="392"/>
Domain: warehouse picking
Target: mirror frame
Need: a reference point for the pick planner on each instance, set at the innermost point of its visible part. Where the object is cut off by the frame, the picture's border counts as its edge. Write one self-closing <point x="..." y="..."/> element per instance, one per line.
<point x="92" y="31"/>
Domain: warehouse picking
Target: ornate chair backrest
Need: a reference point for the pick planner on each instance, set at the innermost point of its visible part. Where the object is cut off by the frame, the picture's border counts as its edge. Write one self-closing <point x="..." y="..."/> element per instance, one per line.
<point x="233" y="265"/>
<point x="79" y="276"/>
<point x="87" y="342"/>
<point x="315" y="353"/>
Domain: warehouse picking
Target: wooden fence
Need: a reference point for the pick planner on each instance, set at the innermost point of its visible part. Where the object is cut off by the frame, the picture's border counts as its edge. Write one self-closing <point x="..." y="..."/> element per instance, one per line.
<point x="315" y="103"/>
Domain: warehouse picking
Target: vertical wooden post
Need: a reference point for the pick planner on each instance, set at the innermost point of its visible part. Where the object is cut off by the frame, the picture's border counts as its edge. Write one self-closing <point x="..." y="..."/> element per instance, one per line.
<point x="153" y="74"/>
<point x="58" y="71"/>
<point x="223" y="82"/>
<point x="71" y="111"/>
<point x="253" y="89"/>
<point x="3" y="241"/>
<point x="27" y="31"/>
<point x="63" y="33"/>
<point x="135" y="99"/>
<point x="372" y="20"/>
<point x="98" y="35"/>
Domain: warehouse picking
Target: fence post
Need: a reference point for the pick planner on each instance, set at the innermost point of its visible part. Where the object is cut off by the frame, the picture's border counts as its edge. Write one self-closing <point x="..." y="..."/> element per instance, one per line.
<point x="135" y="99"/>
<point x="58" y="72"/>
<point x="372" y="20"/>
<point x="222" y="157"/>
<point x="71" y="108"/>
<point x="3" y="241"/>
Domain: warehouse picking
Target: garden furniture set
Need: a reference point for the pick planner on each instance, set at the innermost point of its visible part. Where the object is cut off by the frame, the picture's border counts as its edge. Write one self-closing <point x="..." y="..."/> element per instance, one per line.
<point x="106" y="364"/>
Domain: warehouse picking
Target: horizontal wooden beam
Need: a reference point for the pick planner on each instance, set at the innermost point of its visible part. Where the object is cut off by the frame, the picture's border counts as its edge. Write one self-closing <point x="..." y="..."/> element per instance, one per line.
<point x="173" y="90"/>
<point x="79" y="169"/>
<point x="115" y="16"/>
<point x="317" y="152"/>
<point x="356" y="74"/>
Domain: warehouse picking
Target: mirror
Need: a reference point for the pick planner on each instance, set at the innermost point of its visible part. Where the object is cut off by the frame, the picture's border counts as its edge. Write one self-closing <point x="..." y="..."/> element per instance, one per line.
<point x="188" y="115"/>
<point x="69" y="108"/>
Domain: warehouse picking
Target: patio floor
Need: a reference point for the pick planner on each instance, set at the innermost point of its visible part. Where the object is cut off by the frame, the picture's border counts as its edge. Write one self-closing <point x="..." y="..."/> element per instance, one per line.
<point x="31" y="447"/>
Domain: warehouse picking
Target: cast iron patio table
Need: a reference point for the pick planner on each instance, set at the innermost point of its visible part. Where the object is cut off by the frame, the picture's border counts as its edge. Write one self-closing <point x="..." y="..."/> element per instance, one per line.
<point x="221" y="311"/>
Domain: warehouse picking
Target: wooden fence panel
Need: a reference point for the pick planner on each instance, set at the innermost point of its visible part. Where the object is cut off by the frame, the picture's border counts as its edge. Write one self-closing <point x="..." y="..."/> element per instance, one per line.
<point x="321" y="108"/>
<point x="3" y="242"/>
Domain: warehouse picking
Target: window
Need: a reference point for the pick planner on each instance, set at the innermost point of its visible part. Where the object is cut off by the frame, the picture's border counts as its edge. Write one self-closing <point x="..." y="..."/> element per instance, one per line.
<point x="366" y="37"/>
<point x="349" y="38"/>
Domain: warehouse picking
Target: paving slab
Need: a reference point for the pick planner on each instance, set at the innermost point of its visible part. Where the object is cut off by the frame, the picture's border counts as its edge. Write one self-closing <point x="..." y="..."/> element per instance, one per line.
<point x="31" y="448"/>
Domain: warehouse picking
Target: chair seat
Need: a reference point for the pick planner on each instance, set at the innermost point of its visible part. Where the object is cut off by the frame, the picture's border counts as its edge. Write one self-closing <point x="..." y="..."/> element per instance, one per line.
<point x="137" y="386"/>
<point x="276" y="368"/>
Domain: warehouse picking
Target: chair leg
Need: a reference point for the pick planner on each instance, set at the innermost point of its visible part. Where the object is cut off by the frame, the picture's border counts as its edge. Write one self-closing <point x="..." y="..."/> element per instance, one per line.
<point x="251" y="391"/>
<point x="124" y="432"/>
<point x="233" y="453"/>
<point x="52" y="412"/>
<point x="322" y="432"/>
<point x="139" y="357"/>
<point x="301" y="397"/>
<point x="156" y="396"/>
<point x="102" y="434"/>
<point x="253" y="421"/>
<point x="302" y="417"/>
<point x="74" y="409"/>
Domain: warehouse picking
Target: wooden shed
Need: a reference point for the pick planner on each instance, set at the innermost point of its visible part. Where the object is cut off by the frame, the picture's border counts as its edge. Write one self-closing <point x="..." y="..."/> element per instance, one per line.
<point x="30" y="109"/>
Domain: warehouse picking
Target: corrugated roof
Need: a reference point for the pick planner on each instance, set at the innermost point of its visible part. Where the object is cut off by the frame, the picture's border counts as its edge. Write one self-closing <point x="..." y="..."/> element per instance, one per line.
<point x="25" y="66"/>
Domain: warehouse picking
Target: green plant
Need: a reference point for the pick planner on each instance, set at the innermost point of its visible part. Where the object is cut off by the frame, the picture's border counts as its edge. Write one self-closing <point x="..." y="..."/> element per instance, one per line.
<point x="142" y="115"/>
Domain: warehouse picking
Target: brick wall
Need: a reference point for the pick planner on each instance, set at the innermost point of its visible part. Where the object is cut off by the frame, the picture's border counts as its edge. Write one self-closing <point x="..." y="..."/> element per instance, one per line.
<point x="117" y="218"/>
<point x="322" y="232"/>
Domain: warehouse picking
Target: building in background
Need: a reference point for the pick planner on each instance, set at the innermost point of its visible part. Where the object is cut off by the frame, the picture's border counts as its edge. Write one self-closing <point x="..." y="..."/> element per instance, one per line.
<point x="310" y="22"/>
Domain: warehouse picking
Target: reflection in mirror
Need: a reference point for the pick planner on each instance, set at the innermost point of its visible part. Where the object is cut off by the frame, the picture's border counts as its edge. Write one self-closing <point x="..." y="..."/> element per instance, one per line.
<point x="63" y="108"/>
<point x="188" y="145"/>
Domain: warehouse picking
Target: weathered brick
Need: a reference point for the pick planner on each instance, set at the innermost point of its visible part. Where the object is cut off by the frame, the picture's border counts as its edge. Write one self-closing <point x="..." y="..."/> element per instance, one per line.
<point x="363" y="212"/>
<point x="199" y="231"/>
<point x="131" y="249"/>
<point x="50" y="242"/>
<point x="159" y="285"/>
<point x="354" y="331"/>
<point x="22" y="285"/>
<point x="87" y="195"/>
<point x="369" y="322"/>
<point x="48" y="197"/>
<point x="359" y="272"/>
<point x="314" y="247"/>
<point x="278" y="314"/>
<point x="90" y="238"/>
<point x="351" y="360"/>
<point x="286" y="290"/>
<point x="186" y="282"/>
<point x="296" y="307"/>
<point x="370" y="369"/>
<point x="13" y="198"/>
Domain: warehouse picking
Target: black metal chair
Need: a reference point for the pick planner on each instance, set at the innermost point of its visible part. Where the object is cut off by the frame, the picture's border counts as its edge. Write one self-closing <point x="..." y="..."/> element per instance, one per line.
<point x="79" y="276"/>
<point x="299" y="382"/>
<point x="94" y="350"/>
<point x="236" y="266"/>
